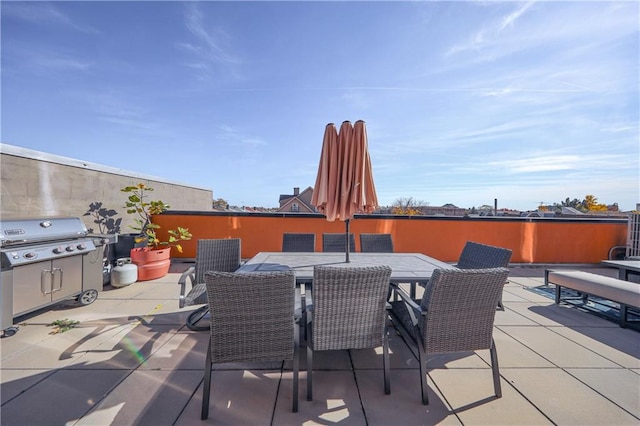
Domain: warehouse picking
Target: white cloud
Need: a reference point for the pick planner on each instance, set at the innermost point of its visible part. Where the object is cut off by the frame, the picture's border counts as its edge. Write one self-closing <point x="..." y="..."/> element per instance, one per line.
<point x="207" y="46"/>
<point x="43" y="13"/>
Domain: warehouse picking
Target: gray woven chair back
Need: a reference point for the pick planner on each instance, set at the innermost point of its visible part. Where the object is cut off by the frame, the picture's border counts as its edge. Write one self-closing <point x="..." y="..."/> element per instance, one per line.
<point x="477" y="256"/>
<point x="292" y="242"/>
<point x="460" y="309"/>
<point x="223" y="255"/>
<point x="349" y="306"/>
<point x="336" y="243"/>
<point x="376" y="243"/>
<point x="252" y="315"/>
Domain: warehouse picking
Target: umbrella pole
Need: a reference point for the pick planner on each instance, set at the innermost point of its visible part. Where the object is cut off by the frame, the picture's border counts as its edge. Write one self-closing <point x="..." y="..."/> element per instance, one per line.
<point x="347" y="239"/>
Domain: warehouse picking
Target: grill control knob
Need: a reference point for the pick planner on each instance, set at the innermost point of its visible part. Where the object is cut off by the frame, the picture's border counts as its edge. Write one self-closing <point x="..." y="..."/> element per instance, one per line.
<point x="70" y="248"/>
<point x="82" y="246"/>
<point x="30" y="255"/>
<point x="58" y="250"/>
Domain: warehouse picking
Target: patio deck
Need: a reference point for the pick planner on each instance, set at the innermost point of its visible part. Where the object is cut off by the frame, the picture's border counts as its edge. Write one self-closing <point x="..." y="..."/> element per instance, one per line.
<point x="131" y="361"/>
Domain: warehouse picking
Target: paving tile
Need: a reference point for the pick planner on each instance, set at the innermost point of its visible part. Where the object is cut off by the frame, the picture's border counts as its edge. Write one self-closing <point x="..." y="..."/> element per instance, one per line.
<point x="62" y="398"/>
<point x="97" y="311"/>
<point x="183" y="351"/>
<point x="404" y="359"/>
<point x="327" y="360"/>
<point x="550" y="314"/>
<point x="511" y="317"/>
<point x="138" y="308"/>
<point x="14" y="382"/>
<point x="335" y="401"/>
<point x="513" y="354"/>
<point x="471" y="396"/>
<point x="404" y="405"/>
<point x="133" y="356"/>
<point x="128" y="349"/>
<point x="620" y="386"/>
<point x="62" y="349"/>
<point x="521" y="293"/>
<point x="237" y="398"/>
<point x="27" y="336"/>
<point x="146" y="398"/>
<point x="509" y="296"/>
<point x="619" y="345"/>
<point x="564" y="399"/>
<point x="555" y="348"/>
<point x="400" y="356"/>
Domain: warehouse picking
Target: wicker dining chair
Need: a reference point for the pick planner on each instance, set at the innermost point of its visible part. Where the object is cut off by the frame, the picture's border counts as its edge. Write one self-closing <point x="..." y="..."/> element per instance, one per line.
<point x="456" y="314"/>
<point x="376" y="243"/>
<point x="481" y="256"/>
<point x="292" y="242"/>
<point x="254" y="318"/>
<point x="336" y="243"/>
<point x="221" y="255"/>
<point x="346" y="309"/>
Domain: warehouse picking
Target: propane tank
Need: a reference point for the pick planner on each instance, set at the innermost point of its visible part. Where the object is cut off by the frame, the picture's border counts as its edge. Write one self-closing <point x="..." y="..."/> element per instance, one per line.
<point x="124" y="273"/>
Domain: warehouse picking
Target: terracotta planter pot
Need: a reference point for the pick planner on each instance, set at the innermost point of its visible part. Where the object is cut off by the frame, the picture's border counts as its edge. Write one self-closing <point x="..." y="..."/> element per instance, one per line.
<point x="151" y="264"/>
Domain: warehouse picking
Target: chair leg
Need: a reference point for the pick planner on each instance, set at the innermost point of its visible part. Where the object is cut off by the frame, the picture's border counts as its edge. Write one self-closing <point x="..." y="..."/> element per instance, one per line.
<point x="385" y="361"/>
<point x="422" y="360"/>
<point x="296" y="363"/>
<point x="309" y="364"/>
<point x="495" y="369"/>
<point x="195" y="317"/>
<point x="206" y="387"/>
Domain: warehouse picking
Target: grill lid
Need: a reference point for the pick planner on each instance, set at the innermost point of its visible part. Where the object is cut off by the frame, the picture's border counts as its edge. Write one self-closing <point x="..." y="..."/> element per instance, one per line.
<point x="33" y="231"/>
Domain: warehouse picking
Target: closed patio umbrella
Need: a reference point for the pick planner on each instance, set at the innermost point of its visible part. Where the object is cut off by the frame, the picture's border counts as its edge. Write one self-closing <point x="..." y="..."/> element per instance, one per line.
<point x="344" y="185"/>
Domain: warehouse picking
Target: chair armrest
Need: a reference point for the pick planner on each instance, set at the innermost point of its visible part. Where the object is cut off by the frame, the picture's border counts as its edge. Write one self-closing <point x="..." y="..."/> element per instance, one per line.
<point x="414" y="309"/>
<point x="182" y="282"/>
<point x="308" y="302"/>
<point x="297" y="310"/>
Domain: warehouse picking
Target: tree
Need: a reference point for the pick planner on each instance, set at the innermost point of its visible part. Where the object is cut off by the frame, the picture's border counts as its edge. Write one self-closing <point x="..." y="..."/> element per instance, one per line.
<point x="589" y="204"/>
<point x="575" y="203"/>
<point x="592" y="205"/>
<point x="407" y="206"/>
<point x="220" y="204"/>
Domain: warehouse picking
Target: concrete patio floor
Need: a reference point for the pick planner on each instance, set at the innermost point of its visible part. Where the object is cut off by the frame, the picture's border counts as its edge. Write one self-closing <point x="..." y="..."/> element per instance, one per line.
<point x="131" y="361"/>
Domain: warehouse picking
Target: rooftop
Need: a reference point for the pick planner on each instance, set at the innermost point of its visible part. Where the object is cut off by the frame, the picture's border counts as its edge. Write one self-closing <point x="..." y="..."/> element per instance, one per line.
<point x="131" y="361"/>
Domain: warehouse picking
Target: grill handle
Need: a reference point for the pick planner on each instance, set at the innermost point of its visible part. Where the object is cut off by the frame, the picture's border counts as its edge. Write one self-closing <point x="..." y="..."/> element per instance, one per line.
<point x="53" y="279"/>
<point x="45" y="276"/>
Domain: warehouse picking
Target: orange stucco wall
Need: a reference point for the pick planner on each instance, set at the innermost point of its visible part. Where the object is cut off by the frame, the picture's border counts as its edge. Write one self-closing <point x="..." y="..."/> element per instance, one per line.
<point x="533" y="240"/>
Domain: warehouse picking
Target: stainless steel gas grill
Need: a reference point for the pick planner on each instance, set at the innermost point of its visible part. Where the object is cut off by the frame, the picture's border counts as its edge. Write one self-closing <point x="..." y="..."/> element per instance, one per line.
<point x="42" y="263"/>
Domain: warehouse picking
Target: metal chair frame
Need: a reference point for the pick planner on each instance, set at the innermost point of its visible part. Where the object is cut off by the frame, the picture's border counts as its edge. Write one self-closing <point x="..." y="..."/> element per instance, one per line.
<point x="456" y="314"/>
<point x="221" y="255"/>
<point x="346" y="309"/>
<point x="242" y="331"/>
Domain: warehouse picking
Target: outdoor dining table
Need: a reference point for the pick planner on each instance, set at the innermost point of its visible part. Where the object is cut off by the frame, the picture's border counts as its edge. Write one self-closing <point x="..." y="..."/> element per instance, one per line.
<point x="624" y="267"/>
<point x="405" y="267"/>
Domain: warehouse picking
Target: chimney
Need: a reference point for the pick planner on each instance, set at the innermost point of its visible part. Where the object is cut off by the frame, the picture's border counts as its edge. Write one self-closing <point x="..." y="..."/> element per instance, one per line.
<point x="296" y="190"/>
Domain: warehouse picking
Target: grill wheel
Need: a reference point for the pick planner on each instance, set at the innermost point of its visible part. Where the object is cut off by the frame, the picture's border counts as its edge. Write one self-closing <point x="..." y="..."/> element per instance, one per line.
<point x="88" y="297"/>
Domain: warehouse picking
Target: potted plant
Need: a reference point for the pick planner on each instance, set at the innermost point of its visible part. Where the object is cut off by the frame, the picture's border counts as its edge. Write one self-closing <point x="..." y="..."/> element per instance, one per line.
<point x="153" y="260"/>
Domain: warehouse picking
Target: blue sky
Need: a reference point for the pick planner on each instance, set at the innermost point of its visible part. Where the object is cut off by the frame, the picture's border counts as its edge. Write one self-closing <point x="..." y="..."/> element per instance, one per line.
<point x="526" y="102"/>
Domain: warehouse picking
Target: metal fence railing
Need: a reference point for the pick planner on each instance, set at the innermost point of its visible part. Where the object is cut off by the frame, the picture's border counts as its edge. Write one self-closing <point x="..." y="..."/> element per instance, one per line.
<point x="633" y="236"/>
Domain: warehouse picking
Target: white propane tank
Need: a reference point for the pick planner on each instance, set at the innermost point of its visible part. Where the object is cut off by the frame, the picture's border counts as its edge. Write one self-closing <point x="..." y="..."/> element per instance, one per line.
<point x="124" y="273"/>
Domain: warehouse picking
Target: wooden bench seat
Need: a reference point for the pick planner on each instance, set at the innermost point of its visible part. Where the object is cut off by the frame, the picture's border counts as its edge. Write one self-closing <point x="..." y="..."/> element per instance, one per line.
<point x="625" y="293"/>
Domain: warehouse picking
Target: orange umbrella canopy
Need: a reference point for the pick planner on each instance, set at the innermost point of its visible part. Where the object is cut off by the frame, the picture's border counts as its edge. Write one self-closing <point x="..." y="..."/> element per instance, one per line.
<point x="344" y="185"/>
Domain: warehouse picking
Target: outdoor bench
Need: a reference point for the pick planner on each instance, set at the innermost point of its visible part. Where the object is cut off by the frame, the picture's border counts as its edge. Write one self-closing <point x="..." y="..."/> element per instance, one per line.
<point x="625" y="293"/>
